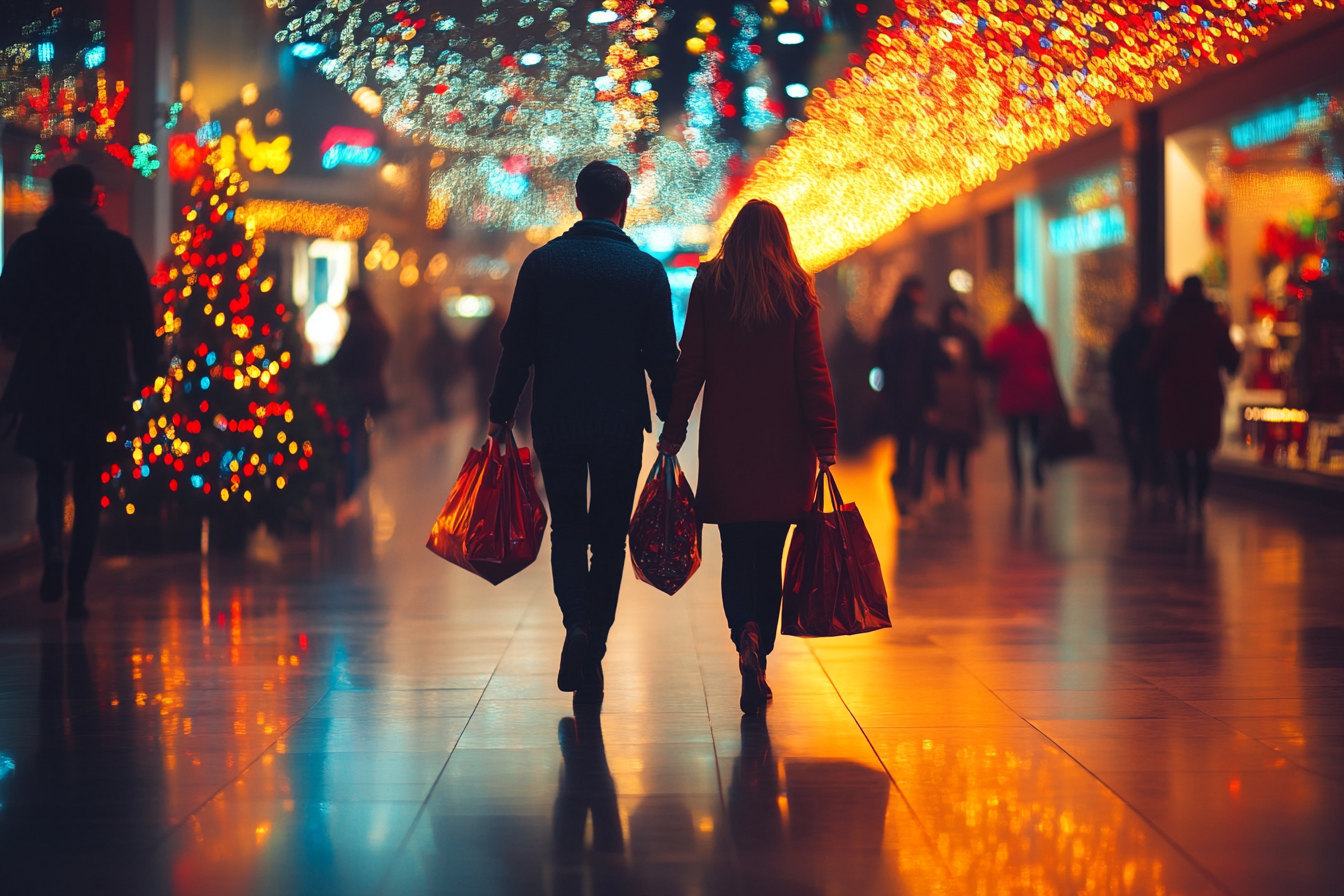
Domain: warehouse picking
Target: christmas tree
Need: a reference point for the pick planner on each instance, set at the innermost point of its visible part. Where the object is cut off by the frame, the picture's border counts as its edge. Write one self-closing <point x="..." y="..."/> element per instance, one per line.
<point x="229" y="432"/>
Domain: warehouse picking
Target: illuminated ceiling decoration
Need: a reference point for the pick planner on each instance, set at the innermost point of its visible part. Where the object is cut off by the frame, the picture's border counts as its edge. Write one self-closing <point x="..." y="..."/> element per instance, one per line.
<point x="53" y="85"/>
<point x="338" y="222"/>
<point x="625" y="85"/>
<point x="949" y="94"/>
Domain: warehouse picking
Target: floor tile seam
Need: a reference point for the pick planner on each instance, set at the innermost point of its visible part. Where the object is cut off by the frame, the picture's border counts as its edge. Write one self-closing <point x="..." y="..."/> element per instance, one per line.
<point x="929" y="841"/>
<point x="424" y="803"/>
<point x="1180" y="850"/>
<point x="1236" y="730"/>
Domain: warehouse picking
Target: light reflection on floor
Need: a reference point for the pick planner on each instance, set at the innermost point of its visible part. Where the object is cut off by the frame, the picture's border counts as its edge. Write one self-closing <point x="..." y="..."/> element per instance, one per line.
<point x="1077" y="696"/>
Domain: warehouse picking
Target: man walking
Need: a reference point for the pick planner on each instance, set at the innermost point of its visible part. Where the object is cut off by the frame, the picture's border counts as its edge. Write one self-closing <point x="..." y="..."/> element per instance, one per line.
<point x="72" y="294"/>
<point x="591" y="313"/>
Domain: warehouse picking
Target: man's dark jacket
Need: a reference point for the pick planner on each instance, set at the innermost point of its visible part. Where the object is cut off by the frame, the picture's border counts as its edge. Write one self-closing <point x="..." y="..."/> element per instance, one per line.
<point x="72" y="294"/>
<point x="910" y="355"/>
<point x="591" y="313"/>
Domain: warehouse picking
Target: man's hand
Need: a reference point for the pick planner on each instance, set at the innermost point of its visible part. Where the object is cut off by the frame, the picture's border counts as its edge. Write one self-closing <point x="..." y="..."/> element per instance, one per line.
<point x="667" y="447"/>
<point x="826" y="460"/>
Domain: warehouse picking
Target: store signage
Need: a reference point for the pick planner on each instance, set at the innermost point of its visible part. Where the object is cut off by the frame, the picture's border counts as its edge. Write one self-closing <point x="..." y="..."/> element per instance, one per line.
<point x="1088" y="193"/>
<point x="1088" y="232"/>
<point x="349" y="146"/>
<point x="1274" y="125"/>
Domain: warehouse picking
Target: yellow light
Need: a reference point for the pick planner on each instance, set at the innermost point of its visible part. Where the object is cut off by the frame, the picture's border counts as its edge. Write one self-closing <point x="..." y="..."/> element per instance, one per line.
<point x="779" y="7"/>
<point x="705" y="25"/>
<point x="339" y="222"/>
<point x="409" y="276"/>
<point x="368" y="100"/>
<point x="256" y="432"/>
<point x="248" y="94"/>
<point x="112" y="436"/>
<point x="279" y="482"/>
<point x="695" y="45"/>
<point x="130" y="509"/>
<point x="247" y="496"/>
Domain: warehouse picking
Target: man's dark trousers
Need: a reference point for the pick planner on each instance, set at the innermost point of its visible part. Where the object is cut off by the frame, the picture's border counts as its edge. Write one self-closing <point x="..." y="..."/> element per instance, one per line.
<point x="588" y="591"/>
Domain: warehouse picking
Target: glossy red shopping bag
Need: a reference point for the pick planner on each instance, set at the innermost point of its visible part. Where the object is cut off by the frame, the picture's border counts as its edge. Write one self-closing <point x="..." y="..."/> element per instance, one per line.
<point x="494" y="521"/>
<point x="664" y="536"/>
<point x="833" y="582"/>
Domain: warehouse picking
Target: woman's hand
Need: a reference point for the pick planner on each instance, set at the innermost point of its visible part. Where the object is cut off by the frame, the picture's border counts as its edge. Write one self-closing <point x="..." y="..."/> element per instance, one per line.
<point x="669" y="447"/>
<point x="826" y="460"/>
<point x="495" y="430"/>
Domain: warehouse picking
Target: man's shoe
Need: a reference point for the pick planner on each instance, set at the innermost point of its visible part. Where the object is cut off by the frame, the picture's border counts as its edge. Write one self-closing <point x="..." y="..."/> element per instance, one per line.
<point x="749" y="664"/>
<point x="571" y="660"/>
<point x="75" y="608"/>
<point x="591" y="692"/>
<point x="52" y="584"/>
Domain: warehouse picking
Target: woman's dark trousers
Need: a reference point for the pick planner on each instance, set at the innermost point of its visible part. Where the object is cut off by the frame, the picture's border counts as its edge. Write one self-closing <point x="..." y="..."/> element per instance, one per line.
<point x="609" y="468"/>
<point x="1201" y="477"/>
<point x="1017" y="423"/>
<point x="87" y="490"/>
<point x="752" y="582"/>
<point x="912" y="445"/>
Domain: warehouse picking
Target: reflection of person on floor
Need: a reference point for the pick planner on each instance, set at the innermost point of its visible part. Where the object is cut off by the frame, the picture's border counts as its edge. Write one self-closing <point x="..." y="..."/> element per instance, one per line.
<point x="956" y="419"/>
<point x="1028" y="390"/>
<point x="1134" y="397"/>
<point x="1187" y="353"/>
<point x="359" y="364"/>
<point x="72" y="294"/>
<point x="816" y="829"/>
<point x="592" y="314"/>
<point x="910" y="356"/>
<point x="587" y="789"/>
<point x="753" y="343"/>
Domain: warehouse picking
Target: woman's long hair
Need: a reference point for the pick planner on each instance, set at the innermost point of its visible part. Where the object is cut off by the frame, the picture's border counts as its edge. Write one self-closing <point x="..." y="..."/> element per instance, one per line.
<point x="757" y="268"/>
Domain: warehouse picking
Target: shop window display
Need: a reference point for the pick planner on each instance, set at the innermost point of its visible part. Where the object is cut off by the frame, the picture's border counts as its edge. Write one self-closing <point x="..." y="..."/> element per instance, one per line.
<point x="1250" y="200"/>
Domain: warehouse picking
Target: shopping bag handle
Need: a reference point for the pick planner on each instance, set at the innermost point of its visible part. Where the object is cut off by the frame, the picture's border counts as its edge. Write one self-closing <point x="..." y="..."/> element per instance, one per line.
<point x="824" y="478"/>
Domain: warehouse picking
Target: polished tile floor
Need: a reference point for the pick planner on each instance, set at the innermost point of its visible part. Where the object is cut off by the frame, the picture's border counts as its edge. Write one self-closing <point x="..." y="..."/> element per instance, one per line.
<point x="1078" y="696"/>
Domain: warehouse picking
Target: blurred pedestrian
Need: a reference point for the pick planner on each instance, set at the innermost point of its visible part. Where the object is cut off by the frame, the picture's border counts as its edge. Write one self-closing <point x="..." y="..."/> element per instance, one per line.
<point x="1028" y="389"/>
<point x="72" y="295"/>
<point x="440" y="363"/>
<point x="752" y="341"/>
<point x="591" y="315"/>
<point x="910" y="357"/>
<point x="1134" y="397"/>
<point x="1187" y="353"/>
<point x="359" y="364"/>
<point x="956" y="419"/>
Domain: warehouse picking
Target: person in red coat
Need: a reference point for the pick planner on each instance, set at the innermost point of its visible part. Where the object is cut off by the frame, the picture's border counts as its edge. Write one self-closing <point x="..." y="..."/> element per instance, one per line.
<point x="1186" y="353"/>
<point x="752" y="341"/>
<point x="1028" y="390"/>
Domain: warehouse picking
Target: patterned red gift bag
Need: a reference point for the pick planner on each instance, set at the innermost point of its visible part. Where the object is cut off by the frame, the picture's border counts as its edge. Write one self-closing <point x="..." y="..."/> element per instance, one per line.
<point x="833" y="582"/>
<point x="493" y="522"/>
<point x="664" y="537"/>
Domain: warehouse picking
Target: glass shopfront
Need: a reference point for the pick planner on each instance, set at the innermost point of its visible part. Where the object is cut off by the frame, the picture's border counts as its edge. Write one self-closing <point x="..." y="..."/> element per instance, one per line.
<point x="1249" y="201"/>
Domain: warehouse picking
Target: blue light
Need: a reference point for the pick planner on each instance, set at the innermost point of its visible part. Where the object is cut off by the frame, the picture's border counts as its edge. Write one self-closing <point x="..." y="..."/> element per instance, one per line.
<point x="797" y="91"/>
<point x="344" y="154"/>
<point x="789" y="38"/>
<point x="208" y="133"/>
<point x="95" y="56"/>
<point x="144" y="471"/>
<point x="877" y="379"/>
<point x="197" y="481"/>
<point x="529" y="58"/>
<point x="307" y="50"/>
<point x="1096" y="229"/>
<point x="210" y="359"/>
<point x="639" y="88"/>
<point x="205" y="382"/>
<point x="601" y="17"/>
<point x="46" y="51"/>
<point x="1274" y="125"/>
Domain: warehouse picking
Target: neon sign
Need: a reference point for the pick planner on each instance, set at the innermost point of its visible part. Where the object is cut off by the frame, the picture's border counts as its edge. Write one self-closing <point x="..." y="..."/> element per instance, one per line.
<point x="349" y="146"/>
<point x="1274" y="125"/>
<point x="1088" y="232"/>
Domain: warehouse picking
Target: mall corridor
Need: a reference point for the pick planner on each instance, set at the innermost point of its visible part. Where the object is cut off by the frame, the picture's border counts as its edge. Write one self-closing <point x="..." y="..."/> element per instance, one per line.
<point x="1078" y="695"/>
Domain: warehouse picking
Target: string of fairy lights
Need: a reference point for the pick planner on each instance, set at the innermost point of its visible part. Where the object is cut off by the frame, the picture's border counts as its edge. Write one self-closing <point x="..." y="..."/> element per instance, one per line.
<point x="950" y="93"/>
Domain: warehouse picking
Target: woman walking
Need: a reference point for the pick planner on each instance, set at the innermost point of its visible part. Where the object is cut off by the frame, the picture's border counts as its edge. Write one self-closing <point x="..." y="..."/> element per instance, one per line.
<point x="956" y="419"/>
<point x="753" y="342"/>
<point x="1028" y="390"/>
<point x="1186" y="353"/>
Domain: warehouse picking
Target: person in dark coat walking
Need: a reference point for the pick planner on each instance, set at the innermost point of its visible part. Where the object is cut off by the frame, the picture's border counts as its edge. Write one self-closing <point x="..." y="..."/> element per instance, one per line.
<point x="752" y="342"/>
<point x="910" y="356"/>
<point x="1028" y="389"/>
<point x="1134" y="397"/>
<point x="956" y="419"/>
<point x="359" y="364"/>
<point x="591" y="314"/>
<point x="1189" y="350"/>
<point x="73" y="294"/>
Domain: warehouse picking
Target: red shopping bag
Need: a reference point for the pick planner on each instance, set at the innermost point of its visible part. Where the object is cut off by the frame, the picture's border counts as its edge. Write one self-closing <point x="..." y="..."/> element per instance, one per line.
<point x="833" y="582"/>
<point x="493" y="522"/>
<point x="664" y="537"/>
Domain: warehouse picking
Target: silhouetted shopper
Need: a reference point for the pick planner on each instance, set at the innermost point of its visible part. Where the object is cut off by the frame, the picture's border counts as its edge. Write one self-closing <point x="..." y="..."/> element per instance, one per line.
<point x="752" y="341"/>
<point x="956" y="419"/>
<point x="591" y="314"/>
<point x="440" y="363"/>
<point x="73" y="293"/>
<point x="1134" y="397"/>
<point x="910" y="357"/>
<point x="1028" y="390"/>
<point x="1189" y="349"/>
<point x="359" y="364"/>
